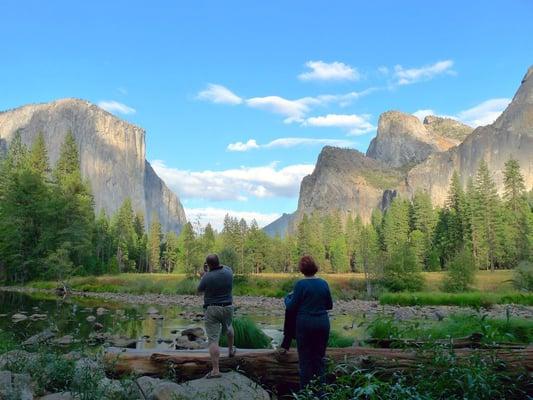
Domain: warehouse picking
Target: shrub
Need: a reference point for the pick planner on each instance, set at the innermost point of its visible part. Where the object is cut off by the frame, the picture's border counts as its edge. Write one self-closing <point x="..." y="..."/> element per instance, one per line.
<point x="523" y="276"/>
<point x="247" y="335"/>
<point x="338" y="340"/>
<point x="402" y="272"/>
<point x="461" y="272"/>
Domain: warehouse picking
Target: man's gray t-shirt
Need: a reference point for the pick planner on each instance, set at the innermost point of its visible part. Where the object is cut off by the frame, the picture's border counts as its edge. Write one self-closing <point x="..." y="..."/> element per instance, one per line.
<point x="217" y="286"/>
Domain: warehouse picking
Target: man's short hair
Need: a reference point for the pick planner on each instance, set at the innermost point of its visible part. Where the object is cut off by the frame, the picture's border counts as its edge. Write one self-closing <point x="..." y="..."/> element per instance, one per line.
<point x="212" y="261"/>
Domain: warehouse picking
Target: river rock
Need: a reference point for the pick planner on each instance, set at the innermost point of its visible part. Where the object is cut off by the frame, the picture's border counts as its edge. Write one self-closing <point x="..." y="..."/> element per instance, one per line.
<point x="101" y="311"/>
<point x="231" y="385"/>
<point x="66" y="340"/>
<point x="58" y="396"/>
<point x="183" y="342"/>
<point x="38" y="317"/>
<point x="98" y="326"/>
<point x="152" y="310"/>
<point x="122" y="341"/>
<point x="15" y="386"/>
<point x="18" y="317"/>
<point x="193" y="333"/>
<point x="168" y="391"/>
<point x="90" y="318"/>
<point x="39" y="338"/>
<point x="147" y="385"/>
<point x="18" y="356"/>
<point x="86" y="368"/>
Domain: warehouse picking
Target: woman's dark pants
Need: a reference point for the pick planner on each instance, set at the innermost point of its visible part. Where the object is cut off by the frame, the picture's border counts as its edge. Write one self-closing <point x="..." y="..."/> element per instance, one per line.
<point x="312" y="333"/>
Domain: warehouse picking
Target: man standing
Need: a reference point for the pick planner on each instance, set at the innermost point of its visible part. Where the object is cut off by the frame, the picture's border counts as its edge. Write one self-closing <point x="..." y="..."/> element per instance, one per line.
<point x="217" y="285"/>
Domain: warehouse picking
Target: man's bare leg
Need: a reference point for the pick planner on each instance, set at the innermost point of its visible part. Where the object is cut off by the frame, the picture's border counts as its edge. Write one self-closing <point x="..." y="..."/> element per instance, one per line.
<point x="214" y="352"/>
<point x="231" y="336"/>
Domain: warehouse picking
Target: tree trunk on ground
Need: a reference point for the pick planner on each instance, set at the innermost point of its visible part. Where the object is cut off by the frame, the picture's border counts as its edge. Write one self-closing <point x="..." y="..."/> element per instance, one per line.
<point x="282" y="372"/>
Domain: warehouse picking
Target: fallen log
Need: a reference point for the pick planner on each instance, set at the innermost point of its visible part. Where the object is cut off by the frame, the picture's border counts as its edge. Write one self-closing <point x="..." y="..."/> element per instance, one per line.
<point x="269" y="368"/>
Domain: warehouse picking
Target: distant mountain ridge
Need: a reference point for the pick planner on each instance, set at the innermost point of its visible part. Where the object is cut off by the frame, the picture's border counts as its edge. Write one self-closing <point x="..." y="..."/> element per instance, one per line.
<point x="112" y="155"/>
<point x="407" y="155"/>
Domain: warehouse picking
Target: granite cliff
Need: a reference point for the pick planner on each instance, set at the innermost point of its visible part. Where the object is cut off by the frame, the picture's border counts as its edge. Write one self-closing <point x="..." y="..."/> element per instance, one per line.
<point x="407" y="155"/>
<point x="112" y="155"/>
<point x="403" y="141"/>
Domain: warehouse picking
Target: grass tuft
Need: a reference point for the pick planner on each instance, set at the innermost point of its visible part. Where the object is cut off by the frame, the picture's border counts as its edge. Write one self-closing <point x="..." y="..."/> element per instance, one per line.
<point x="247" y="335"/>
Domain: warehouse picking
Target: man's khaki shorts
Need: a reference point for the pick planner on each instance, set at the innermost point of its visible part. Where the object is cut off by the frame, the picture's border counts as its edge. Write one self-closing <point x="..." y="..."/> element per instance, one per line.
<point x="217" y="320"/>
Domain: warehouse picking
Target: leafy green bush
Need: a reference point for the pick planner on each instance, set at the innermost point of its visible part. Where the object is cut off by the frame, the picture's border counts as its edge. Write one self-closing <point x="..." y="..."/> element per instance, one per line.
<point x="468" y="299"/>
<point x="523" y="277"/>
<point x="247" y="335"/>
<point x="402" y="272"/>
<point x="338" y="340"/>
<point x="455" y="326"/>
<point x="461" y="272"/>
<point x="443" y="376"/>
<point x="7" y="342"/>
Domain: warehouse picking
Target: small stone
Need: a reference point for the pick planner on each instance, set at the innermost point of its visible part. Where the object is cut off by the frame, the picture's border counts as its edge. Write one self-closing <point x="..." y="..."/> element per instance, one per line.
<point x="101" y="311"/>
<point x="98" y="326"/>
<point x="152" y="310"/>
<point x="39" y="338"/>
<point x="19" y="317"/>
<point x="90" y="318"/>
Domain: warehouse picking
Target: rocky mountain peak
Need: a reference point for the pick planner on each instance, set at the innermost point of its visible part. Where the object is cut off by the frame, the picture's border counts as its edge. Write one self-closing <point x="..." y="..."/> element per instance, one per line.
<point x="402" y="140"/>
<point x="112" y="155"/>
<point x="447" y="128"/>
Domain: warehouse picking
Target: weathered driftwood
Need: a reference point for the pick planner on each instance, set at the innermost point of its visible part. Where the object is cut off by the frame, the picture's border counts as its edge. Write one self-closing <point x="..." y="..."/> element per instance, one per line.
<point x="275" y="371"/>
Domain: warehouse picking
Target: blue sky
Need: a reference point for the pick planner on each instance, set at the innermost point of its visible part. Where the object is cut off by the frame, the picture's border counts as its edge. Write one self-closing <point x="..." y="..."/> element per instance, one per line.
<point x="237" y="97"/>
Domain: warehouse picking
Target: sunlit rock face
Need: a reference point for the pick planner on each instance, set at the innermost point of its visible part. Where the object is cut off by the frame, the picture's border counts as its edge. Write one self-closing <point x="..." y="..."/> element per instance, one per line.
<point x="511" y="135"/>
<point x="402" y="140"/>
<point x="112" y="155"/>
<point x="408" y="155"/>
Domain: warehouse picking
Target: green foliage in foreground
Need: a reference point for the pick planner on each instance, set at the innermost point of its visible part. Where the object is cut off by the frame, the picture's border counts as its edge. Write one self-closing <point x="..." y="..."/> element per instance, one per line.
<point x="467" y="299"/>
<point x="7" y="342"/>
<point x="443" y="377"/>
<point x="247" y="335"/>
<point x="455" y="326"/>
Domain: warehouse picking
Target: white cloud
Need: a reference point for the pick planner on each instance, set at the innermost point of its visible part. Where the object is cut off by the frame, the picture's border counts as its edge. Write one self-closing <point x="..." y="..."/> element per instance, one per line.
<point x="215" y="216"/>
<point x="219" y="94"/>
<point x="484" y="113"/>
<point x="383" y="70"/>
<point x="240" y="146"/>
<point x="353" y="123"/>
<point x="113" y="106"/>
<point x="234" y="184"/>
<point x="334" y="71"/>
<point x="421" y="114"/>
<point x="292" y="110"/>
<point x="407" y="76"/>
<point x="289" y="142"/>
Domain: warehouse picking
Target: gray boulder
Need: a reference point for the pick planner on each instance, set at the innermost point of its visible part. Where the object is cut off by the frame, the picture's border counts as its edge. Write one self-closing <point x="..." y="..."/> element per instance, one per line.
<point x="58" y="396"/>
<point x="15" y="386"/>
<point x="231" y="385"/>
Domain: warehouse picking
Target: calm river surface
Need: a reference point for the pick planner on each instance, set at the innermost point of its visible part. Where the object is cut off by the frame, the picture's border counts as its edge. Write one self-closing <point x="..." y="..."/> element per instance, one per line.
<point x="76" y="316"/>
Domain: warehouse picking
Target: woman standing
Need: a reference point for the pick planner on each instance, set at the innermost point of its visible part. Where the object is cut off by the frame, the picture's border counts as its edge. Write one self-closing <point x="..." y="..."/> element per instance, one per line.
<point x="310" y="302"/>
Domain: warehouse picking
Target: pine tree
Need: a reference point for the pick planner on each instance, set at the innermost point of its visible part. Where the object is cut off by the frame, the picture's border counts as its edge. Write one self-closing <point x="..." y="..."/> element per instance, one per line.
<point x="423" y="221"/>
<point x="171" y="252"/>
<point x="369" y="255"/>
<point x="353" y="237"/>
<point x="38" y="158"/>
<point x="125" y="237"/>
<point x="486" y="219"/>
<point x="517" y="213"/>
<point x="102" y="241"/>
<point x="189" y="255"/>
<point x="257" y="249"/>
<point x="76" y="219"/>
<point x="208" y="239"/>
<point x="396" y="226"/>
<point x="154" y="245"/>
<point x="339" y="255"/>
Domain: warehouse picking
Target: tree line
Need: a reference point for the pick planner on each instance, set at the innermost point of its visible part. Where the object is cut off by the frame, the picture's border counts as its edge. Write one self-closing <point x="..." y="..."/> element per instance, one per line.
<point x="50" y="230"/>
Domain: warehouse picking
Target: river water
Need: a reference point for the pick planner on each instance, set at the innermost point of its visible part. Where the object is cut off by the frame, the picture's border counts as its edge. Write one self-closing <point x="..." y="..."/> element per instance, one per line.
<point x="152" y="325"/>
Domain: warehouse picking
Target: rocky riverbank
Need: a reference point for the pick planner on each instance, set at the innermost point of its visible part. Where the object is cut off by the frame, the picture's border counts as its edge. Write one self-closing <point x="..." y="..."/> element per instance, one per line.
<point x="274" y="307"/>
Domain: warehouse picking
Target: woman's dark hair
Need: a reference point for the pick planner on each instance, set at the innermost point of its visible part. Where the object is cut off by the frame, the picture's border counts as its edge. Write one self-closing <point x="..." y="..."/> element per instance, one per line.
<point x="308" y="266"/>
